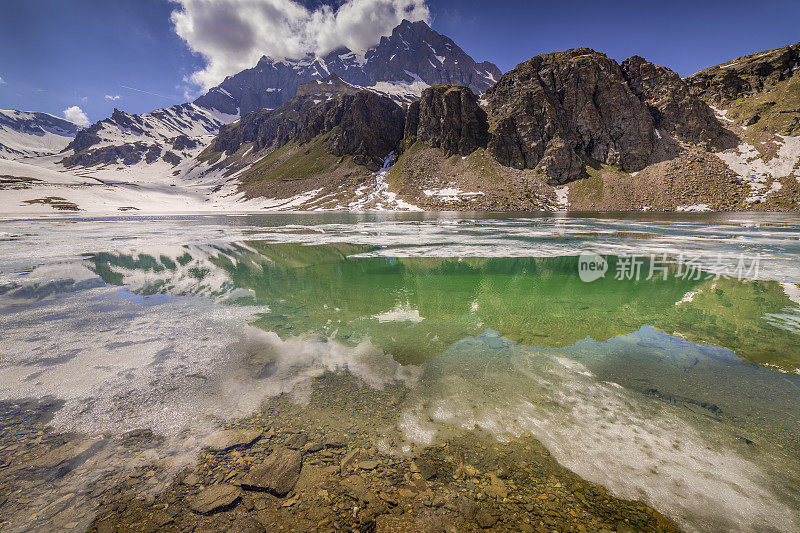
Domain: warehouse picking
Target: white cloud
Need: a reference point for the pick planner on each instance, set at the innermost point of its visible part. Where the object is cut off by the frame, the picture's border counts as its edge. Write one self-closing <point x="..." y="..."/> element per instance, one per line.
<point x="75" y="114"/>
<point x="232" y="35"/>
<point x="113" y="98"/>
<point x="2" y="81"/>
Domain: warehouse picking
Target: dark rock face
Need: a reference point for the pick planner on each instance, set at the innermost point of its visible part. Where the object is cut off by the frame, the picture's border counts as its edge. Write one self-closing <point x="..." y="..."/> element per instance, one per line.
<point x="277" y="474"/>
<point x="672" y="106"/>
<point x="550" y="111"/>
<point x="365" y="125"/>
<point x="183" y="142"/>
<point x="370" y="128"/>
<point x="745" y="75"/>
<point x="413" y="51"/>
<point x="448" y="117"/>
<point x="128" y="154"/>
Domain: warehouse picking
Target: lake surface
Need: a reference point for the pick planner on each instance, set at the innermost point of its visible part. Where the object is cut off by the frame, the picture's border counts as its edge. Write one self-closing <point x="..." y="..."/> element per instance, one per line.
<point x="656" y="356"/>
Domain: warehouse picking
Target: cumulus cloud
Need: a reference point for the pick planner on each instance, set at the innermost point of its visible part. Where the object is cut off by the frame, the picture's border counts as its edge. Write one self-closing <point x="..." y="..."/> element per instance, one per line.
<point x="2" y="81"/>
<point x="75" y="114"/>
<point x="232" y="35"/>
<point x="113" y="98"/>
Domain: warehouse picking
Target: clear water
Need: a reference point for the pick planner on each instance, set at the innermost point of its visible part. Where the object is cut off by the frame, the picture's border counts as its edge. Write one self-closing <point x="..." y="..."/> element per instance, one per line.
<point x="680" y="390"/>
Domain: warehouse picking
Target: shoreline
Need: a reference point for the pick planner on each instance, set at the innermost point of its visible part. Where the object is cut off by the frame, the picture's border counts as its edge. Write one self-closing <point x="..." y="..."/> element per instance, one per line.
<point x="469" y="482"/>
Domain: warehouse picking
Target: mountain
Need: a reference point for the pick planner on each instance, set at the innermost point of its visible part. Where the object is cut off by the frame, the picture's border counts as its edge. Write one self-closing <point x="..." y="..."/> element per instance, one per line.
<point x="29" y="134"/>
<point x="760" y="90"/>
<point x="570" y="130"/>
<point x="577" y="130"/>
<point x="413" y="57"/>
<point x="329" y="139"/>
<point x="171" y="135"/>
<point x="400" y="67"/>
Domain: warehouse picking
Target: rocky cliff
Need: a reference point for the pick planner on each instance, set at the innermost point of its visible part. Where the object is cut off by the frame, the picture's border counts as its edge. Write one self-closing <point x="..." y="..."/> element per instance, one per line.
<point x="361" y="123"/>
<point x="673" y="108"/>
<point x="548" y="113"/>
<point x="447" y="117"/>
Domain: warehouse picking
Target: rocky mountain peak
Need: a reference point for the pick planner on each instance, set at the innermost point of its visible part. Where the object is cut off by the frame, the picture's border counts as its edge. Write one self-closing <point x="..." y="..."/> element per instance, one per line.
<point x="674" y="109"/>
<point x="551" y="112"/>
<point x="411" y="58"/>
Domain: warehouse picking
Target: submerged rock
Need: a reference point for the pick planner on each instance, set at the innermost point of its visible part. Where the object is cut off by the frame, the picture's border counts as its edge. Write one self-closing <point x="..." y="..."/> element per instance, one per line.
<point x="277" y="474"/>
<point x="228" y="439"/>
<point x="215" y="498"/>
<point x="297" y="441"/>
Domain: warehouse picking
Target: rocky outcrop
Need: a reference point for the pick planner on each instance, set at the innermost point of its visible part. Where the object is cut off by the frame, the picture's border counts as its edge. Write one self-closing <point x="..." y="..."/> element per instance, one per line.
<point x="413" y="53"/>
<point x="552" y="111"/>
<point x="674" y="109"/>
<point x="448" y="117"/>
<point x="750" y="74"/>
<point x="365" y="125"/>
<point x="760" y="92"/>
<point x="127" y="154"/>
<point x="370" y="127"/>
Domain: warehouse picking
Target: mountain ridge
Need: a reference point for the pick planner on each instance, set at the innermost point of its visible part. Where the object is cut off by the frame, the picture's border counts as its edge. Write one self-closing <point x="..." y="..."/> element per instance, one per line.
<point x="403" y="58"/>
<point x="570" y="130"/>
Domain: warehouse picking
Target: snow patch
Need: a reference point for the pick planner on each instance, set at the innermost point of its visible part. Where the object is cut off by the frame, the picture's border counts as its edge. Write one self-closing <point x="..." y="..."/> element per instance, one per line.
<point x="562" y="197"/>
<point x="697" y="208"/>
<point x="762" y="175"/>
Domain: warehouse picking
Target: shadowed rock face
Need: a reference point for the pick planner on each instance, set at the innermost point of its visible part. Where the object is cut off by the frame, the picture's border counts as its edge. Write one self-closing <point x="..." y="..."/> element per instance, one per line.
<point x="363" y="124"/>
<point x="448" y="117"/>
<point x="673" y="107"/>
<point x="745" y="75"/>
<point x="370" y="127"/>
<point x="550" y="112"/>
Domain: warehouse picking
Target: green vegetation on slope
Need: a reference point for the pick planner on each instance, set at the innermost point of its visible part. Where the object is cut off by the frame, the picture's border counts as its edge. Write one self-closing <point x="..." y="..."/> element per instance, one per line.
<point x="773" y="111"/>
<point x="294" y="161"/>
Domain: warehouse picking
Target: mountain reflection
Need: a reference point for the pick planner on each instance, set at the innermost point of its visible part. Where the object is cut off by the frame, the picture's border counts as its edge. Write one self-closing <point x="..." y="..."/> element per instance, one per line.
<point x="415" y="308"/>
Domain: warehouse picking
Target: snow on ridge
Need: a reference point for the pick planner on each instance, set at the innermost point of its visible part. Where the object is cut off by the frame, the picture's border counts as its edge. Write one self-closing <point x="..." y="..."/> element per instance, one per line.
<point x="33" y="133"/>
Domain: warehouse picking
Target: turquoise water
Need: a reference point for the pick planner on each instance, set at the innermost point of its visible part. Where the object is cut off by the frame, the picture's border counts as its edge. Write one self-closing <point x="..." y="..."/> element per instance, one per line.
<point x="677" y="386"/>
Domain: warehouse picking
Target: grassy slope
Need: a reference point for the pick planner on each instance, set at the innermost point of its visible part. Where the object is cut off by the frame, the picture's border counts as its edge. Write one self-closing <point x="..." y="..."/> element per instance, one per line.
<point x="778" y="108"/>
<point x="294" y="161"/>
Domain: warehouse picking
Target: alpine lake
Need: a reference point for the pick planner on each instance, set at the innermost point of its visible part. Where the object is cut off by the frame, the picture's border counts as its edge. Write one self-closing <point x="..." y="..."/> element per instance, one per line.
<point x="400" y="372"/>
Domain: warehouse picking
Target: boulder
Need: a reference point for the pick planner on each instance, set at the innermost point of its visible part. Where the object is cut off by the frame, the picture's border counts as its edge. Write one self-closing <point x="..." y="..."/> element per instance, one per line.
<point x="277" y="474"/>
<point x="215" y="498"/>
<point x="228" y="439"/>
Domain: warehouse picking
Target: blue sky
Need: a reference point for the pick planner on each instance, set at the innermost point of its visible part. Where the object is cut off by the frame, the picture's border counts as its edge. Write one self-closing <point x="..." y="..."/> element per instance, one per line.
<point x="126" y="53"/>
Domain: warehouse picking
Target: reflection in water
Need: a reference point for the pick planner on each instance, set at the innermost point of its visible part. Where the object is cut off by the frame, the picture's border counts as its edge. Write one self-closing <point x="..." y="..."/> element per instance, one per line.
<point x="415" y="308"/>
<point x="663" y="390"/>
